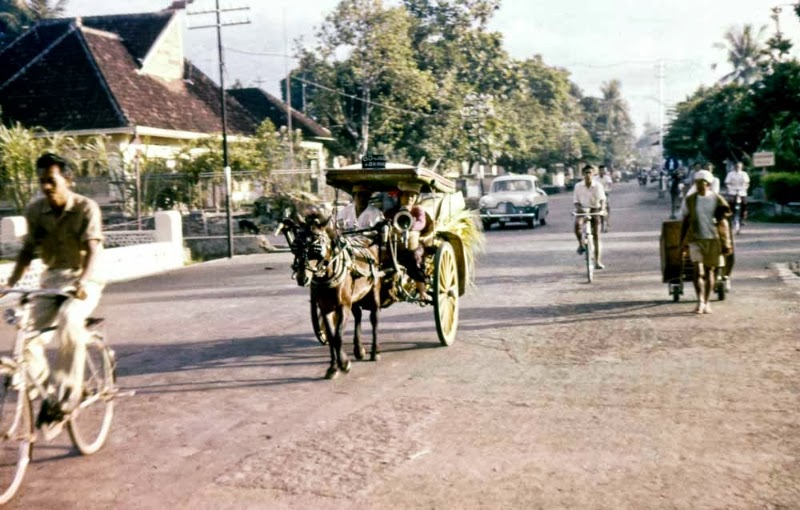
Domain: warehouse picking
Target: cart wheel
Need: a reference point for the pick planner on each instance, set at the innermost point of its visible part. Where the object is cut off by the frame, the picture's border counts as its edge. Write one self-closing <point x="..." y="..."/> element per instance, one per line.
<point x="445" y="293"/>
<point x="318" y="324"/>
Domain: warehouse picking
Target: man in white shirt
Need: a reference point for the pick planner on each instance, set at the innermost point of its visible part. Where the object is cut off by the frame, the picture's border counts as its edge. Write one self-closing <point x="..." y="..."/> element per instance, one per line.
<point x="589" y="197"/>
<point x="737" y="182"/>
<point x="359" y="213"/>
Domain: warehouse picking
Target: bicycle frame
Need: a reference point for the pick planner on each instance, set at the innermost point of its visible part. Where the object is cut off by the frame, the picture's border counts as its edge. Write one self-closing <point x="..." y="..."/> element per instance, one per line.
<point x="587" y="238"/>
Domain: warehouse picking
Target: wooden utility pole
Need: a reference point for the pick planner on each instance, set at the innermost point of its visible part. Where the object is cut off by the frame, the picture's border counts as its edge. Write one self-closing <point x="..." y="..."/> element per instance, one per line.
<point x="226" y="168"/>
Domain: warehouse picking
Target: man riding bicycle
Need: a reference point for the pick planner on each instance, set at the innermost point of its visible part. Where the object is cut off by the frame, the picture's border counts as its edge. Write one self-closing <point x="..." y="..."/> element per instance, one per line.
<point x="65" y="230"/>
<point x="589" y="197"/>
<point x="737" y="182"/>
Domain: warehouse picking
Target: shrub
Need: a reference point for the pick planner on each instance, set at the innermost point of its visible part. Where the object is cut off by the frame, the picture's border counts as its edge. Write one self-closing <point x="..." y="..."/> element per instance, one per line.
<point x="782" y="187"/>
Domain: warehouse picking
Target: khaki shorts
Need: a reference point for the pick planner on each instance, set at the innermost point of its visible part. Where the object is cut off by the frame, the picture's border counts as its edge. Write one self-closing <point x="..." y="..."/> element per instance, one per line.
<point x="706" y="252"/>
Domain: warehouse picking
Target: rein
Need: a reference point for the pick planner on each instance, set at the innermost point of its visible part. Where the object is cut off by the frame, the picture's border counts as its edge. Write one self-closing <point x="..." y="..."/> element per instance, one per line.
<point x="333" y="271"/>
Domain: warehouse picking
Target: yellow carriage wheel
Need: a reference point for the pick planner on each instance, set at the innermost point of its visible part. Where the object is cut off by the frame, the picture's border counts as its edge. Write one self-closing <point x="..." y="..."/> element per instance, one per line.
<point x="445" y="293"/>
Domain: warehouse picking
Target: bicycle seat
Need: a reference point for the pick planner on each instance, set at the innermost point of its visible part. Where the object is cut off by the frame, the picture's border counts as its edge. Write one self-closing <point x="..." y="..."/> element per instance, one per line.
<point x="93" y="321"/>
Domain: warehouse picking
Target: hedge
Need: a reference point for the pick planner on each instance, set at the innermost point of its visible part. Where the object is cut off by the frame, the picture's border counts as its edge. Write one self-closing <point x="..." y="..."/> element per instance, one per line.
<point x="782" y="187"/>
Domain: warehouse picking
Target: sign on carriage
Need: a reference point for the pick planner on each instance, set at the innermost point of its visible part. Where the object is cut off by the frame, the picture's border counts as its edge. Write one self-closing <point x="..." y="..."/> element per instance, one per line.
<point x="762" y="159"/>
<point x="373" y="162"/>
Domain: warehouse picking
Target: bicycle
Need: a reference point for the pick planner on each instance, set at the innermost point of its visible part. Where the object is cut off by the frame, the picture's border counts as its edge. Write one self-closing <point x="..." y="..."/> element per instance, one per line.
<point x="88" y="425"/>
<point x="587" y="241"/>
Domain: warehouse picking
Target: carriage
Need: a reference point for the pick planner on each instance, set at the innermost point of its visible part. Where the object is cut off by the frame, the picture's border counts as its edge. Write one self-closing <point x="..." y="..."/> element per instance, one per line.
<point x="446" y="260"/>
<point x="446" y="242"/>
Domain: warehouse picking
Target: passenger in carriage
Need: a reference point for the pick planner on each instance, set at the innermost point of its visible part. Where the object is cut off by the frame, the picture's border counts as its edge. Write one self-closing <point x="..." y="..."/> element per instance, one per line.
<point x="359" y="213"/>
<point x="412" y="258"/>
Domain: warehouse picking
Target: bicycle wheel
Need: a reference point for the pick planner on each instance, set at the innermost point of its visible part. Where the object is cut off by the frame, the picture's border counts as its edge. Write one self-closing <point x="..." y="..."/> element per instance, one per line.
<point x="90" y="423"/>
<point x="16" y="432"/>
<point x="589" y="256"/>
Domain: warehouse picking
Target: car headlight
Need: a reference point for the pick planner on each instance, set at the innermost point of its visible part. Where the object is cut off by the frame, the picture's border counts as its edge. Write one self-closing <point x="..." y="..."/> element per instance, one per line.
<point x="11" y="316"/>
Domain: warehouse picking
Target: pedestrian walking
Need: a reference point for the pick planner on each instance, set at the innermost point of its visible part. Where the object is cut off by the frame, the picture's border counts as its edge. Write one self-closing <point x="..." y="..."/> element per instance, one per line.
<point x="701" y="213"/>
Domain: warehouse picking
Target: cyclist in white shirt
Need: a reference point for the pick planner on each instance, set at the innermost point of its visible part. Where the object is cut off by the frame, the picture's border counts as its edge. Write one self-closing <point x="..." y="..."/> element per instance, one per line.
<point x="589" y="196"/>
<point x="359" y="213"/>
<point x="737" y="182"/>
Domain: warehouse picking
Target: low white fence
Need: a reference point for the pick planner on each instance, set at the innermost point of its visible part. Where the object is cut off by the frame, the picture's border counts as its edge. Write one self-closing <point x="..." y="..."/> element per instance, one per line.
<point x="130" y="254"/>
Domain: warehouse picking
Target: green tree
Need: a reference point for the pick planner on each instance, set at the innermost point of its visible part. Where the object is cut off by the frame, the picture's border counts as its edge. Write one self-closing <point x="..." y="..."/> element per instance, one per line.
<point x="383" y="88"/>
<point x="17" y="15"/>
<point x="745" y="53"/>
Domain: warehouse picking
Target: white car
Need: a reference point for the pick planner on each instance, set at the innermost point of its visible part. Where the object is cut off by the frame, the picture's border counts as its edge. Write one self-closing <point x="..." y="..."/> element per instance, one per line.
<point x="514" y="198"/>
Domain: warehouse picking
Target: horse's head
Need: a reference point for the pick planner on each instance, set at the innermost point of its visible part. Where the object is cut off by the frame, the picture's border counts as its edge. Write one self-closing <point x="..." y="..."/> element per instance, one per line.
<point x="311" y="242"/>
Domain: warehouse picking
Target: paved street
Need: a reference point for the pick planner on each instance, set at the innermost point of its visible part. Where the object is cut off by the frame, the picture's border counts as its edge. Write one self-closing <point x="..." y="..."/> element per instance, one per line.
<point x="556" y="394"/>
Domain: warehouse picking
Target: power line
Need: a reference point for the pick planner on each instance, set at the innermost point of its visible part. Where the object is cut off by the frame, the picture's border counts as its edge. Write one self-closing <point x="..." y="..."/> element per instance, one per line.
<point x="356" y="98"/>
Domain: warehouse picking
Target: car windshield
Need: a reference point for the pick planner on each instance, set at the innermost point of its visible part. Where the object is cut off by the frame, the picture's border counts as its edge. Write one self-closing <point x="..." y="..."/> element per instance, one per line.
<point x="515" y="185"/>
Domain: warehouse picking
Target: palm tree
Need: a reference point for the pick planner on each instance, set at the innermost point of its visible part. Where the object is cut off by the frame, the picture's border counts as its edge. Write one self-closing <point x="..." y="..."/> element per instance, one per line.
<point x="17" y="15"/>
<point x="745" y="53"/>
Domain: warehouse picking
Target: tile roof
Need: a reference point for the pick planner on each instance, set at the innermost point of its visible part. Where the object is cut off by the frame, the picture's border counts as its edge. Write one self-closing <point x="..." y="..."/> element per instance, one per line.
<point x="63" y="76"/>
<point x="263" y="105"/>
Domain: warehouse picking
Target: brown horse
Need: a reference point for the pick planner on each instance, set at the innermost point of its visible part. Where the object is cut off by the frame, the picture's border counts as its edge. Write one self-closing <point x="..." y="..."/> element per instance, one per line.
<point x="344" y="274"/>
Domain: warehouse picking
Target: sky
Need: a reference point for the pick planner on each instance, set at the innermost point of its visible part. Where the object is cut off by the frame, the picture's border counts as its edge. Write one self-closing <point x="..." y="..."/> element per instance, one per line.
<point x="595" y="41"/>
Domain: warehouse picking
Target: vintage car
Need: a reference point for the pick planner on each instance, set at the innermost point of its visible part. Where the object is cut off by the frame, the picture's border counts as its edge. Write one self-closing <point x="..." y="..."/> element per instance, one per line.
<point x="514" y="198"/>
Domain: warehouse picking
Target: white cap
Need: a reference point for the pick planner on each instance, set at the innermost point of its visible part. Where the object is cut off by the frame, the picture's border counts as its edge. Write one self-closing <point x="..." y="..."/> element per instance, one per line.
<point x="704" y="175"/>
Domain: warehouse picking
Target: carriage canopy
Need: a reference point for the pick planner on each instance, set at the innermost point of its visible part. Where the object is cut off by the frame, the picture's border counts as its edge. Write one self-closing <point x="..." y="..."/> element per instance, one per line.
<point x="386" y="177"/>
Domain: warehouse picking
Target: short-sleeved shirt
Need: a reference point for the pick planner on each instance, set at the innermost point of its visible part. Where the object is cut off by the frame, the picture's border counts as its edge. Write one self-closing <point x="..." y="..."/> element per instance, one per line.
<point x="591" y="197"/>
<point x="61" y="239"/>
<point x="706" y="206"/>
<point x="606" y="181"/>
<point x="369" y="217"/>
<point x="737" y="183"/>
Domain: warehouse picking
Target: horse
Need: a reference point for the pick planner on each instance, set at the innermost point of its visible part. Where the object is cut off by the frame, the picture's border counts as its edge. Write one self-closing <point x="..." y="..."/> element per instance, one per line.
<point x="343" y="272"/>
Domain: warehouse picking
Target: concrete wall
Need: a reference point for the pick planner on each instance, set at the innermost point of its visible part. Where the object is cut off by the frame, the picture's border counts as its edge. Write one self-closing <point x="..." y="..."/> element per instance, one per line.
<point x="116" y="264"/>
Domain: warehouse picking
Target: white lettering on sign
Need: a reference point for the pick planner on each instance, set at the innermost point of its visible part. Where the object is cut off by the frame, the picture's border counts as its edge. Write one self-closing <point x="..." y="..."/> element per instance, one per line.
<point x="761" y="159"/>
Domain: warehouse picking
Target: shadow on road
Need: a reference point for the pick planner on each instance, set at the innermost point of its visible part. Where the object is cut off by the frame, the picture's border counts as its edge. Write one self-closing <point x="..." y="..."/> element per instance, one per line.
<point x="475" y="319"/>
<point x="264" y="352"/>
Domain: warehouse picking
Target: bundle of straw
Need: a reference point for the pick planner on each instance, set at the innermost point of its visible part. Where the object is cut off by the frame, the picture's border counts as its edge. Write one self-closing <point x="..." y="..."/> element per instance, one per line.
<point x="466" y="224"/>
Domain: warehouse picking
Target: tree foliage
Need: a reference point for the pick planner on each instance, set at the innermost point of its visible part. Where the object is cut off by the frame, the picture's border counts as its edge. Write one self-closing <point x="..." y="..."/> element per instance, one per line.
<point x="429" y="79"/>
<point x="17" y="15"/>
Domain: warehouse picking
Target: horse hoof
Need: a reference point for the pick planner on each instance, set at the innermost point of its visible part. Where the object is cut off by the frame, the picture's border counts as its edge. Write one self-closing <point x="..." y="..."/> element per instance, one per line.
<point x="332" y="373"/>
<point x="375" y="356"/>
<point x="359" y="354"/>
<point x="346" y="367"/>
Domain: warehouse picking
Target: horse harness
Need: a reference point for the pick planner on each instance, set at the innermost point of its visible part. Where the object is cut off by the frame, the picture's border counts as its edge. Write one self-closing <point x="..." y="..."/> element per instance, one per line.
<point x="345" y="251"/>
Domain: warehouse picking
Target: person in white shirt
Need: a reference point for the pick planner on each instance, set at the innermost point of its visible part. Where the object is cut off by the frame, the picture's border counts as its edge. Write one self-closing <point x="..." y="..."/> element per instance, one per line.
<point x="359" y="213"/>
<point x="737" y="182"/>
<point x="589" y="196"/>
<point x="604" y="178"/>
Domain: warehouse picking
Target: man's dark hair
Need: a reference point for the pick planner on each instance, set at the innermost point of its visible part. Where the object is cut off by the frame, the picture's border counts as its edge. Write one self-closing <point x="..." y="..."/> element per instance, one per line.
<point x="49" y="159"/>
<point x="587" y="167"/>
<point x="602" y="166"/>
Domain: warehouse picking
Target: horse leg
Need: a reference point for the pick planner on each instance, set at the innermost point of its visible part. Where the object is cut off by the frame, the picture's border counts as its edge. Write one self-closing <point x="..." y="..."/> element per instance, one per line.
<point x="376" y="349"/>
<point x="341" y="356"/>
<point x="358" y="350"/>
<point x="332" y="371"/>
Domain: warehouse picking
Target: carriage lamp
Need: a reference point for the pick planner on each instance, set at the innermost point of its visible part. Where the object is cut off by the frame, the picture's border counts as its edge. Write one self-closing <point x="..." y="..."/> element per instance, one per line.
<point x="11" y="316"/>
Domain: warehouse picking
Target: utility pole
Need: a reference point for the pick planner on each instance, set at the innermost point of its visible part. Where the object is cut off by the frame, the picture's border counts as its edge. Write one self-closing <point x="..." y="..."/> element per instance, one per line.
<point x="661" y="126"/>
<point x="288" y="91"/>
<point x="226" y="168"/>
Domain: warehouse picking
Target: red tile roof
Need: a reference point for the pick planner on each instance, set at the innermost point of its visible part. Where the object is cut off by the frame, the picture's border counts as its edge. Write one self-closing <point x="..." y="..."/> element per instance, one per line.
<point x="63" y="76"/>
<point x="263" y="105"/>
